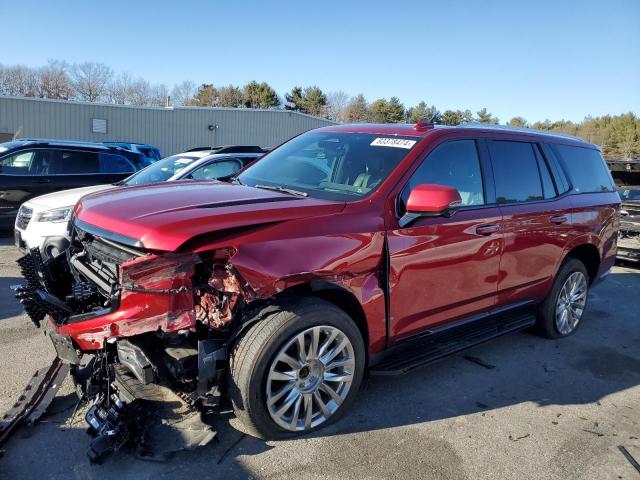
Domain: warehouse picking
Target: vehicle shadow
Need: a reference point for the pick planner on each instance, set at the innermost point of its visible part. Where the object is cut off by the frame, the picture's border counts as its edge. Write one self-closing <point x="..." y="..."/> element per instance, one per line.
<point x="601" y="358"/>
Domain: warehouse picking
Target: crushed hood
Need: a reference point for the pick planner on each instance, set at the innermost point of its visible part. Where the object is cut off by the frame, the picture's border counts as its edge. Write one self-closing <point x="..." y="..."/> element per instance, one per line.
<point x="163" y="216"/>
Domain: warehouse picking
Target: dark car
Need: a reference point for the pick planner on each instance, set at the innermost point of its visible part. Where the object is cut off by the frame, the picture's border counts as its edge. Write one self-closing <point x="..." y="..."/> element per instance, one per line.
<point x="350" y="247"/>
<point x="34" y="167"/>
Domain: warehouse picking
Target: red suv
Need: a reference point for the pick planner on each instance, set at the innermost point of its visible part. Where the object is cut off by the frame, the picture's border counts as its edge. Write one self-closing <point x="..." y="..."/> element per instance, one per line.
<point x="348" y="248"/>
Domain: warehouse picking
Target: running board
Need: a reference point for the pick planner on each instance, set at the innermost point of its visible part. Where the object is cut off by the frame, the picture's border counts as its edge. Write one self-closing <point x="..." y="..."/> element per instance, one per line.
<point x="416" y="353"/>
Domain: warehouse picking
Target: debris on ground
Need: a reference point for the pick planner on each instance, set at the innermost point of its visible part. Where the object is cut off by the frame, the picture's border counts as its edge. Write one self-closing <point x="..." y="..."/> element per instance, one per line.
<point x="34" y="400"/>
<point x="629" y="457"/>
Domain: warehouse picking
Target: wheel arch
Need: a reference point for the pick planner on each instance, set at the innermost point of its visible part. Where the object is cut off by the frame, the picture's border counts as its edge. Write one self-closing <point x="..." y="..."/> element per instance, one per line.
<point x="338" y="296"/>
<point x="589" y="255"/>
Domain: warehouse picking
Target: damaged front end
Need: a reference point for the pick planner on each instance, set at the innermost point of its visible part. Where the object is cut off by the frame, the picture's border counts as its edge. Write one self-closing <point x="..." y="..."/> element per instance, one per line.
<point x="145" y="335"/>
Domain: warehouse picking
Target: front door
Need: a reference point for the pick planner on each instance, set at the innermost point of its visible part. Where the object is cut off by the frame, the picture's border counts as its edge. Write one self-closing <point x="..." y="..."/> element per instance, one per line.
<point x="445" y="269"/>
<point x="23" y="175"/>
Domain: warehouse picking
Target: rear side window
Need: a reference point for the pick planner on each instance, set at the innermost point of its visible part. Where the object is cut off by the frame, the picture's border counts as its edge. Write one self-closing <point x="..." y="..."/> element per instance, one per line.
<point x="586" y="169"/>
<point x="112" y="163"/>
<point x="76" y="162"/>
<point x="455" y="164"/>
<point x="515" y="171"/>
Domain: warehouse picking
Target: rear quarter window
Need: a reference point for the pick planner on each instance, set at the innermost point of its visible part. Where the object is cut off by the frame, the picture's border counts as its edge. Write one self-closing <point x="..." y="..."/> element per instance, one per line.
<point x="112" y="163"/>
<point x="586" y="169"/>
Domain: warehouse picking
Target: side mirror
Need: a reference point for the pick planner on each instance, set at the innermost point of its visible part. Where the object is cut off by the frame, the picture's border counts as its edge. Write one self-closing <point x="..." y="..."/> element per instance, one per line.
<point x="430" y="200"/>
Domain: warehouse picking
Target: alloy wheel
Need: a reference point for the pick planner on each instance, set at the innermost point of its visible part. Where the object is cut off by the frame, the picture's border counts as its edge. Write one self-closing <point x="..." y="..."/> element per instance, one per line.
<point x="310" y="378"/>
<point x="571" y="302"/>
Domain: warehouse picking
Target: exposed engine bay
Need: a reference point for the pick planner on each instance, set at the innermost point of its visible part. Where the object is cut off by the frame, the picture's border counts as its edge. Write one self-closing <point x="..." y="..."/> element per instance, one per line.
<point x="145" y="336"/>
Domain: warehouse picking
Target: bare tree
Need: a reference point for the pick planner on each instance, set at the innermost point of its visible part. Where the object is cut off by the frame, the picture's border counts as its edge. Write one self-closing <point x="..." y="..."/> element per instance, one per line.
<point x="55" y="82"/>
<point x="2" y="80"/>
<point x="158" y="94"/>
<point x="90" y="80"/>
<point x="336" y="106"/>
<point x="20" y="81"/>
<point x="183" y="93"/>
<point x="120" y="90"/>
<point x="140" y="92"/>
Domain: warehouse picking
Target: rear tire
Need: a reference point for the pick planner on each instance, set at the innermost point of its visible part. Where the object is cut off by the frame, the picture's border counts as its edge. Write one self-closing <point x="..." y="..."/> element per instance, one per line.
<point x="279" y="388"/>
<point x="561" y="312"/>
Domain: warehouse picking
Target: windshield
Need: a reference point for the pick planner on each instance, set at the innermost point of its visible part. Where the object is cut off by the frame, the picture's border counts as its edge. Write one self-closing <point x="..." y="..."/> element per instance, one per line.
<point x="334" y="166"/>
<point x="627" y="194"/>
<point x="161" y="170"/>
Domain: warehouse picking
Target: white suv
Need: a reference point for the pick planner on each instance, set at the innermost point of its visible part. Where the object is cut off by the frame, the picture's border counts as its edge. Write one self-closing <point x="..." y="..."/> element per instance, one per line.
<point x="42" y="221"/>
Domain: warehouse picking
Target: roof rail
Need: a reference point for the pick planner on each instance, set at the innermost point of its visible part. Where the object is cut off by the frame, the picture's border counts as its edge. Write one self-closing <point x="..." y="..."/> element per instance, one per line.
<point x="63" y="142"/>
<point x="231" y="149"/>
<point x="508" y="128"/>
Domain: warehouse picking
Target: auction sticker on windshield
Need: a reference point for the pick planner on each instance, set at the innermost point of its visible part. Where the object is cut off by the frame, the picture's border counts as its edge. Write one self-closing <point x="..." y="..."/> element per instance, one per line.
<point x="393" y="142"/>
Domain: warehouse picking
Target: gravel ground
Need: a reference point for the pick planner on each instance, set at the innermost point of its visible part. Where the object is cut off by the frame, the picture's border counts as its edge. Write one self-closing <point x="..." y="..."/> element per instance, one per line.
<point x="546" y="409"/>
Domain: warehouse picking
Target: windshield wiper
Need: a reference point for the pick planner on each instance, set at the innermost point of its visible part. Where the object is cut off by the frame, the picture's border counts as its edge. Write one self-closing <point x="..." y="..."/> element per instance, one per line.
<point x="280" y="188"/>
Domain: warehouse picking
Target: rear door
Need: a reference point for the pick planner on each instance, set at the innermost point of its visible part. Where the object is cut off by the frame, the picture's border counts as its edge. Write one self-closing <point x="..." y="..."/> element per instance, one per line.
<point x="23" y="175"/>
<point x="81" y="168"/>
<point x="537" y="220"/>
<point x="445" y="269"/>
<point x="75" y="168"/>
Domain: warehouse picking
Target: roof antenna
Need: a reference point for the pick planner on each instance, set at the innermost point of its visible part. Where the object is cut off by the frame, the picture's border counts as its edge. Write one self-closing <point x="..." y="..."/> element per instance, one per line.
<point x="423" y="124"/>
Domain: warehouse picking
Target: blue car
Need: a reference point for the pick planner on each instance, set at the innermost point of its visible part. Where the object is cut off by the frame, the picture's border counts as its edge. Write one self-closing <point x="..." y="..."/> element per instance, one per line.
<point x="149" y="152"/>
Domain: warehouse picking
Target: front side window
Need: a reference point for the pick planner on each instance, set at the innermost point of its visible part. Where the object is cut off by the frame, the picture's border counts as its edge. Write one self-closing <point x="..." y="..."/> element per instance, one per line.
<point x="30" y="162"/>
<point x="515" y="171"/>
<point x="586" y="169"/>
<point x="17" y="164"/>
<point x="334" y="166"/>
<point x="455" y="164"/>
<point x="75" y="162"/>
<point x="216" y="170"/>
<point x="161" y="170"/>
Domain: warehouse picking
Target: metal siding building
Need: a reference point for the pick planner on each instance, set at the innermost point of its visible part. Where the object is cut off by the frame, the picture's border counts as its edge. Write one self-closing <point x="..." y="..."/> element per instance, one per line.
<point x="172" y="129"/>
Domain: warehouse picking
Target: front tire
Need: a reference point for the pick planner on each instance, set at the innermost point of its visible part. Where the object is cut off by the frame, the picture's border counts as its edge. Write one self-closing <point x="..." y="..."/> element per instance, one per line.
<point x="561" y="312"/>
<point x="297" y="369"/>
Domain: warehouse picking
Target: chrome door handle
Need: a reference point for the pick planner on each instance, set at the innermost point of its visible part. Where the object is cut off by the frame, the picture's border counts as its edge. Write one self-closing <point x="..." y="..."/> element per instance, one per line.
<point x="487" y="229"/>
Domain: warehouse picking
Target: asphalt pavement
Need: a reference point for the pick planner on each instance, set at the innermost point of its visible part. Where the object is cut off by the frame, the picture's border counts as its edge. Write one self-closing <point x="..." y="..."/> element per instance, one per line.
<point x="520" y="407"/>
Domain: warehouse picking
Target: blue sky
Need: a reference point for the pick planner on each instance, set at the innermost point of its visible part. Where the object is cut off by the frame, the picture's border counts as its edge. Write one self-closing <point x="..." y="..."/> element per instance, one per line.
<point x="539" y="59"/>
